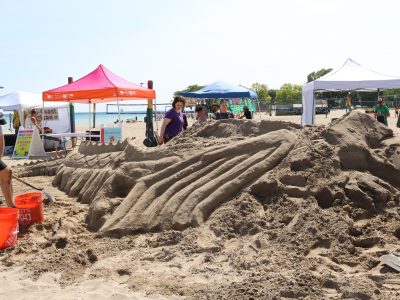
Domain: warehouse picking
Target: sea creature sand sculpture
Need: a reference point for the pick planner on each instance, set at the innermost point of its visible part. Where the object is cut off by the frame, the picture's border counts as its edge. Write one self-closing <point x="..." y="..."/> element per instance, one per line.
<point x="133" y="190"/>
<point x="187" y="192"/>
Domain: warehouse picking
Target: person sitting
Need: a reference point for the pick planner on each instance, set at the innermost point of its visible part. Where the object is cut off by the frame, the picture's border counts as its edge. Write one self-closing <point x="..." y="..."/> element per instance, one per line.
<point x="224" y="113"/>
<point x="201" y="115"/>
<point x="173" y="121"/>
<point x="246" y="113"/>
<point x="381" y="111"/>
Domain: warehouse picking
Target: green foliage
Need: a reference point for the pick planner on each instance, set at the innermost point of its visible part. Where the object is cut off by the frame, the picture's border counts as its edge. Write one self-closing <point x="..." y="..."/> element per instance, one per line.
<point x="261" y="90"/>
<point x="189" y="89"/>
<point x="391" y="92"/>
<point x="272" y="94"/>
<point x="317" y="74"/>
<point x="288" y="94"/>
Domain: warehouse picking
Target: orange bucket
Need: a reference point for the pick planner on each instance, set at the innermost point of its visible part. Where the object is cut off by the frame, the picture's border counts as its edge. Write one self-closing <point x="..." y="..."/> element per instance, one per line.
<point x="30" y="207"/>
<point x="8" y="226"/>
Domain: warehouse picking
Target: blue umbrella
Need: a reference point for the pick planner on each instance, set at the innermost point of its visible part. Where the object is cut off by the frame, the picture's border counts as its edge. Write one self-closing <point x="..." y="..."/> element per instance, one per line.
<point x="221" y="89"/>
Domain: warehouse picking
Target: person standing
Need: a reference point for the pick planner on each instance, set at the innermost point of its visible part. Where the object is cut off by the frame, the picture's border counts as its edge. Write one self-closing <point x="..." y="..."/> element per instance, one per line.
<point x="201" y="115"/>
<point x="16" y="121"/>
<point x="5" y="172"/>
<point x="34" y="120"/>
<point x="382" y="111"/>
<point x="173" y="121"/>
<point x="348" y="103"/>
<point x="224" y="113"/>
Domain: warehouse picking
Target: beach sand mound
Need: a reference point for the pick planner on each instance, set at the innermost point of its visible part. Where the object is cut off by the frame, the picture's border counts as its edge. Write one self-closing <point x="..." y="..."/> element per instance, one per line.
<point x="268" y="209"/>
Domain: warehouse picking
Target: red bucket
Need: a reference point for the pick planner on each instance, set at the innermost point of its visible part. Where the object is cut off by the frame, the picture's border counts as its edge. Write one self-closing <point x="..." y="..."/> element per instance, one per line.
<point x="30" y="207"/>
<point x="8" y="226"/>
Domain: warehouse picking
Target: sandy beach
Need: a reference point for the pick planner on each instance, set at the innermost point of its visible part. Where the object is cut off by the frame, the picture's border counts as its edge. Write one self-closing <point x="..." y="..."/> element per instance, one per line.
<point x="262" y="209"/>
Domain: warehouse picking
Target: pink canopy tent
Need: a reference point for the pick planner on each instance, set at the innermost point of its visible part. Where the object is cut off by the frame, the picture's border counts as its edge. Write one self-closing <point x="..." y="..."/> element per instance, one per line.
<point x="101" y="85"/>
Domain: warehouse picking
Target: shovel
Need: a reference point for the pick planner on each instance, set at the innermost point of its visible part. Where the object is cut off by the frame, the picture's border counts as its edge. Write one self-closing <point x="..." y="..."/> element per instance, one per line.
<point x="46" y="193"/>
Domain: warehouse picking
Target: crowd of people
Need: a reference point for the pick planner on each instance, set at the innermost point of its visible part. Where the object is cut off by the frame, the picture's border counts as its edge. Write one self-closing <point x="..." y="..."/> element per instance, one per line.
<point x="175" y="120"/>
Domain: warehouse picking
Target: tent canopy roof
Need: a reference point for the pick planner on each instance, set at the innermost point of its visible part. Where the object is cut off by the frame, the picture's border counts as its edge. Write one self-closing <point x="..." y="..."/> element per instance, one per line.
<point x="350" y="76"/>
<point x="101" y="85"/>
<point x="221" y="89"/>
<point x="353" y="76"/>
<point x="24" y="100"/>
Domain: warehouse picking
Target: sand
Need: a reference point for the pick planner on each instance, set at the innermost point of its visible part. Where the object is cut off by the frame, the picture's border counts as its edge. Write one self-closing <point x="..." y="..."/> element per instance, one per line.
<point x="262" y="209"/>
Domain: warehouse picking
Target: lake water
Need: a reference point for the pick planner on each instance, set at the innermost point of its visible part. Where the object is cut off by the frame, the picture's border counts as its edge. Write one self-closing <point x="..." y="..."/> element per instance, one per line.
<point x="82" y="119"/>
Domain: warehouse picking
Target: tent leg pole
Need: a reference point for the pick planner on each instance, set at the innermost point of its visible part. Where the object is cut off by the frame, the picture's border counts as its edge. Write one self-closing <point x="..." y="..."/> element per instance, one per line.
<point x="90" y="119"/>
<point x="313" y="115"/>
<point x="94" y="115"/>
<point x="119" y="116"/>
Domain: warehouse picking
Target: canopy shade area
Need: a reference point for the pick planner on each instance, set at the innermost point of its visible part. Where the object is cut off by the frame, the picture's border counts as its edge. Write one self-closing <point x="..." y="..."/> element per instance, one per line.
<point x="101" y="85"/>
<point x="20" y="100"/>
<point x="221" y="89"/>
<point x="24" y="100"/>
<point x="350" y="76"/>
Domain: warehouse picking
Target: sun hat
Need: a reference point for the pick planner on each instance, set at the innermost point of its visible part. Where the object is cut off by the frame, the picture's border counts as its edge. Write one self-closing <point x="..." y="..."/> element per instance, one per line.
<point x="2" y="119"/>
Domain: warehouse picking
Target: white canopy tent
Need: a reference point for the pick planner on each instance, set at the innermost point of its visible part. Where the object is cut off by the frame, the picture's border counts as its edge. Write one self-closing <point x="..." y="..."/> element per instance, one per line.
<point x="351" y="76"/>
<point x="21" y="101"/>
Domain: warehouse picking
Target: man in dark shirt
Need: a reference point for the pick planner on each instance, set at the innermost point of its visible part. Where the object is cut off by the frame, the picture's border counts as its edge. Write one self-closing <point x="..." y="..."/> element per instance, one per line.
<point x="246" y="113"/>
<point x="223" y="111"/>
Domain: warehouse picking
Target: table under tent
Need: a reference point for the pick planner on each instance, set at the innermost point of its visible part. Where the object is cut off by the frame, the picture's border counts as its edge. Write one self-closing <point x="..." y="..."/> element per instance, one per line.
<point x="51" y="115"/>
<point x="237" y="96"/>
<point x="351" y="76"/>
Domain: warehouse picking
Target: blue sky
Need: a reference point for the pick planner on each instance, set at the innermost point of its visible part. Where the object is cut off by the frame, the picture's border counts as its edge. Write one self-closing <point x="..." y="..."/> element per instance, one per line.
<point x="177" y="43"/>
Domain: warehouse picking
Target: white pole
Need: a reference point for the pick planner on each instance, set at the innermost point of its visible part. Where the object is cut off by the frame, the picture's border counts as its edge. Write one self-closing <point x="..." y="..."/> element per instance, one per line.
<point x="90" y="119"/>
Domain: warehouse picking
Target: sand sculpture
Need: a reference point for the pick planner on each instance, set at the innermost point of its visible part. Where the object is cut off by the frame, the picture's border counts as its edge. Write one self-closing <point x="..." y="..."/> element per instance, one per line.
<point x="351" y="162"/>
<point x="289" y="212"/>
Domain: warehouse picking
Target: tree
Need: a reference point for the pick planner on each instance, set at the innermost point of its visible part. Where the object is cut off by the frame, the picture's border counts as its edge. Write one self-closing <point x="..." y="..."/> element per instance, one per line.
<point x="261" y="90"/>
<point x="189" y="89"/>
<point x="288" y="93"/>
<point x="272" y="94"/>
<point x="317" y="74"/>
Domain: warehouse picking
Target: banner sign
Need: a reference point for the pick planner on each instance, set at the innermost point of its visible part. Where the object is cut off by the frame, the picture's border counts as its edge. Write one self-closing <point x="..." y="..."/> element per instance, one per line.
<point x="110" y="135"/>
<point x="50" y="114"/>
<point x="23" y="143"/>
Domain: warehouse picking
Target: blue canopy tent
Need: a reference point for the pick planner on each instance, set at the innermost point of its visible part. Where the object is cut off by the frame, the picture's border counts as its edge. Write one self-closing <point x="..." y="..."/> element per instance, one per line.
<point x="221" y="89"/>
